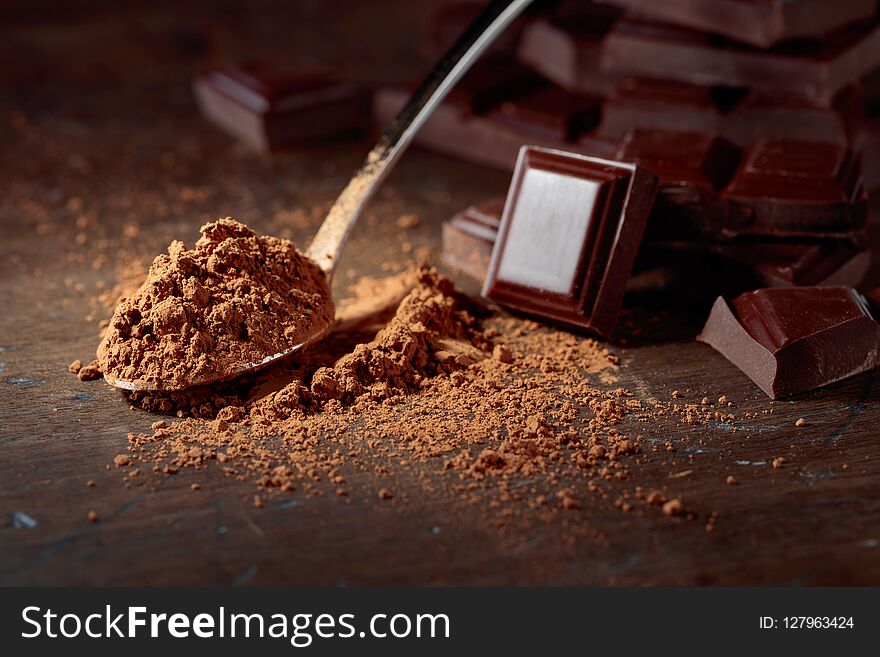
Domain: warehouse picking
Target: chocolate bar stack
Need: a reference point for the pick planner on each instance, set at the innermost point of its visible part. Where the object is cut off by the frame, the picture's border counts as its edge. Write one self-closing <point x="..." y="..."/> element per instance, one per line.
<point x="754" y="114"/>
<point x="754" y="120"/>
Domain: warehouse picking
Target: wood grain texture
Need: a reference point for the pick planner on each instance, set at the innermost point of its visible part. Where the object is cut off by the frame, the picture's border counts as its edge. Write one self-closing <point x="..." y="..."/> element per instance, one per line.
<point x="131" y="148"/>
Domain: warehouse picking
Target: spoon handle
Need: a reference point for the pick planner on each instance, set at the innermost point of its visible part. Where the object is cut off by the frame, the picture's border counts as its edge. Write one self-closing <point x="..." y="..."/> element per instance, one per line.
<point x="327" y="244"/>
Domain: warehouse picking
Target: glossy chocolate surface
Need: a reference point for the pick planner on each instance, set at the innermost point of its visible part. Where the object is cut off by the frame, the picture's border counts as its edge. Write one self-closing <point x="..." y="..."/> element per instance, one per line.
<point x="758" y="22"/>
<point x="569" y="237"/>
<point x="790" y="340"/>
<point x="776" y="188"/>
<point x="790" y="186"/>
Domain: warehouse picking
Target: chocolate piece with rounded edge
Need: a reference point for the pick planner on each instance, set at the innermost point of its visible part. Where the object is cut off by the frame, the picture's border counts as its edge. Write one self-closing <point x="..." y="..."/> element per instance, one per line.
<point x="758" y="22"/>
<point x="791" y="340"/>
<point x="817" y="69"/>
<point x="569" y="237"/>
<point x="270" y="104"/>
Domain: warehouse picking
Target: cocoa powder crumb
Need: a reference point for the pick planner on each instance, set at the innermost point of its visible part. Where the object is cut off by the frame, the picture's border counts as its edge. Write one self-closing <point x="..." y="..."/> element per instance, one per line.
<point x="673" y="507"/>
<point x="89" y="372"/>
<point x="75" y="366"/>
<point x="777" y="462"/>
<point x="800" y="422"/>
<point x="122" y="460"/>
<point x="502" y="354"/>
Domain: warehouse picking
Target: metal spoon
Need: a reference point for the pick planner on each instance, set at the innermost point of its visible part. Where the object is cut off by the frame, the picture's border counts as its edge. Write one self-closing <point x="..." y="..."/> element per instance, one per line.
<point x="326" y="247"/>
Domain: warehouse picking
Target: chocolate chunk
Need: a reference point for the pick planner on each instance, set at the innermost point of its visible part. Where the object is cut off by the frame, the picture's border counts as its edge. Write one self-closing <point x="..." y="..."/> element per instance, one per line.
<point x="272" y="104"/>
<point x="779" y="188"/>
<point x="757" y="22"/>
<point x="790" y="340"/>
<point x="817" y="69"/>
<point x="698" y="160"/>
<point x="566" y="46"/>
<point x="468" y="237"/>
<point x="789" y="186"/>
<point x="568" y="237"/>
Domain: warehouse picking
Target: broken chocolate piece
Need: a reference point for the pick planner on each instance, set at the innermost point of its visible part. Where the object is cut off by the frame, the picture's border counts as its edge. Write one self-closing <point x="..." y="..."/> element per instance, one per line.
<point x="790" y="340"/>
<point x="758" y="22"/>
<point x="273" y="104"/>
<point x="468" y="237"/>
<point x="568" y="237"/>
<point x="816" y="69"/>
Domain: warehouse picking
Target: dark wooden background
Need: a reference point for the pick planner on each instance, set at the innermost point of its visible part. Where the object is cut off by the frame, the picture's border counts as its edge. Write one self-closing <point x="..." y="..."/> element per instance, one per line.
<point x="95" y="106"/>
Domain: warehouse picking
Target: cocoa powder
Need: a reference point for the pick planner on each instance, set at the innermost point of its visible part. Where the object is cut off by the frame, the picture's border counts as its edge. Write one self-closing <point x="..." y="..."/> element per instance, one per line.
<point x="233" y="299"/>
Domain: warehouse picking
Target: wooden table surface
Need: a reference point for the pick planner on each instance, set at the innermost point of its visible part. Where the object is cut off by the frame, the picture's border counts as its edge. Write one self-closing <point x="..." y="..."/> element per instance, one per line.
<point x="98" y="123"/>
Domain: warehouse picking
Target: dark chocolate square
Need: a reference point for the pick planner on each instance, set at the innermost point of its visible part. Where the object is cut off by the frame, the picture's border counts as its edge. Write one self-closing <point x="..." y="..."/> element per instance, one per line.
<point x="568" y="237"/>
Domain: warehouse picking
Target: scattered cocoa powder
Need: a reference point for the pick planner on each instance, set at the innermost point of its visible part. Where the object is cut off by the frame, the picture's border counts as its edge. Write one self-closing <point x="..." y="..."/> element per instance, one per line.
<point x="673" y="507"/>
<point x="235" y="298"/>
